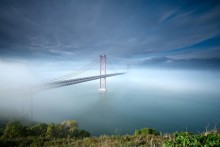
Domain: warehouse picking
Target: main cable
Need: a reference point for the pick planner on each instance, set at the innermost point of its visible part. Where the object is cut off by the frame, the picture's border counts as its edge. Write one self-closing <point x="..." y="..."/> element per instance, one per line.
<point x="74" y="73"/>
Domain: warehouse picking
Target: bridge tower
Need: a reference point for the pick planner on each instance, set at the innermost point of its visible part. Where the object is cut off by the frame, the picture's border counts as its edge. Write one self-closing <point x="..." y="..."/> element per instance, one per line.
<point x="102" y="73"/>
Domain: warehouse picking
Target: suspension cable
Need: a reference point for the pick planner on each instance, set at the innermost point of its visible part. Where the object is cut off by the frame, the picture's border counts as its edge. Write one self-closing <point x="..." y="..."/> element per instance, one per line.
<point x="111" y="64"/>
<point x="74" y="73"/>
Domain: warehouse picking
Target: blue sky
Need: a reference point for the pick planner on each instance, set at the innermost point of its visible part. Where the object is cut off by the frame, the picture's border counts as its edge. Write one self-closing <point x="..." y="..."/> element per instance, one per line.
<point x="126" y="30"/>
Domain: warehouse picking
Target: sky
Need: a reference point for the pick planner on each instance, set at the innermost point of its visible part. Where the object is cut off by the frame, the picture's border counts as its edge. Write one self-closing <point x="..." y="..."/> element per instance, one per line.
<point x="128" y="31"/>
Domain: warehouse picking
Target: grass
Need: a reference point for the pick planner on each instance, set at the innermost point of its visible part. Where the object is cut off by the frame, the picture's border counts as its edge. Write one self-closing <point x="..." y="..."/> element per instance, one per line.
<point x="67" y="134"/>
<point x="183" y="139"/>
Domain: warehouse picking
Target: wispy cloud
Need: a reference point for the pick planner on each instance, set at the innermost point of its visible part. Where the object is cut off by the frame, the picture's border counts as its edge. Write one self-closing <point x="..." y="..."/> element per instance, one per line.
<point x="126" y="30"/>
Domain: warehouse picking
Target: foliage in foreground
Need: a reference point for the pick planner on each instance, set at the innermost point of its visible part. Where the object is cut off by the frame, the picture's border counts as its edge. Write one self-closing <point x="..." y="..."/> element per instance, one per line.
<point x="68" y="134"/>
<point x="147" y="131"/>
<point x="189" y="139"/>
<point x="15" y="133"/>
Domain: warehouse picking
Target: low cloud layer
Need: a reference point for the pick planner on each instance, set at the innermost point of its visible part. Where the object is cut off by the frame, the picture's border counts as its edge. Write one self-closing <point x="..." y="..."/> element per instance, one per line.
<point x="193" y="63"/>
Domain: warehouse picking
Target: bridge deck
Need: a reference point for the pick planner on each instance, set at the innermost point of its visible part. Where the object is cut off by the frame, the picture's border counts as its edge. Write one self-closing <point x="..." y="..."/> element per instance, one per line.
<point x="56" y="84"/>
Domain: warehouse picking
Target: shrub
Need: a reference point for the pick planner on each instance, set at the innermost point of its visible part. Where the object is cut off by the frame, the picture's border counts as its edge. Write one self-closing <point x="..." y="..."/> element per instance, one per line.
<point x="83" y="134"/>
<point x="69" y="128"/>
<point x="39" y="130"/>
<point x="14" y="129"/>
<point x="37" y="142"/>
<point x="212" y="139"/>
<point x="52" y="131"/>
<point x="188" y="139"/>
<point x="147" y="131"/>
<point x="185" y="139"/>
<point x="65" y="129"/>
<point x="1" y="130"/>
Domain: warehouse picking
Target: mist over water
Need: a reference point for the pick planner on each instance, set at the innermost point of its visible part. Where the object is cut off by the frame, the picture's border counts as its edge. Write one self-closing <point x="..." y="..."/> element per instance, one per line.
<point x="168" y="100"/>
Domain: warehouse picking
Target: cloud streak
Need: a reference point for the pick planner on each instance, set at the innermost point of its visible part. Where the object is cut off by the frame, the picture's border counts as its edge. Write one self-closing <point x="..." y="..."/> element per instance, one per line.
<point x="123" y="29"/>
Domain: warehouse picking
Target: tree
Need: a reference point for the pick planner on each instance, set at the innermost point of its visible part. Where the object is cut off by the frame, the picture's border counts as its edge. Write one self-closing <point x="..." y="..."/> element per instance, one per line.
<point x="69" y="128"/>
<point x="14" y="129"/>
<point x="39" y="130"/>
<point x="52" y="131"/>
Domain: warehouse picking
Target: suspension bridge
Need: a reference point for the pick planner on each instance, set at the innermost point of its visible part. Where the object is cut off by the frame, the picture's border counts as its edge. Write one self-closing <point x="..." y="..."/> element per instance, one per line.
<point x="69" y="79"/>
<point x="66" y="80"/>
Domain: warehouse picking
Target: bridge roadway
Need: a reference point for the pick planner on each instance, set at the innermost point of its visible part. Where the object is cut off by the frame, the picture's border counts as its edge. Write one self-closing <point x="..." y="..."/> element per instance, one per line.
<point x="56" y="84"/>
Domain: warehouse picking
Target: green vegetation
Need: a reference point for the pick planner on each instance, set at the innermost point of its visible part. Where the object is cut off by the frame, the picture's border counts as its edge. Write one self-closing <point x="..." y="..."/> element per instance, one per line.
<point x="68" y="133"/>
<point x="17" y="134"/>
<point x="189" y="139"/>
<point x="146" y="131"/>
